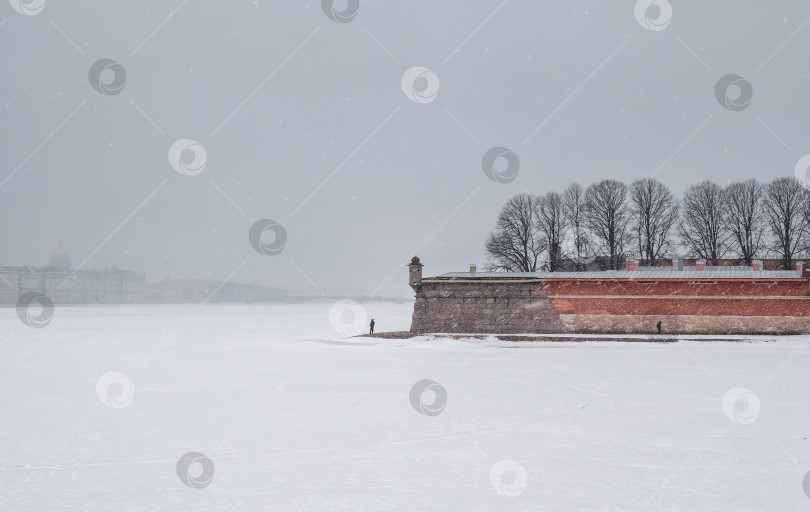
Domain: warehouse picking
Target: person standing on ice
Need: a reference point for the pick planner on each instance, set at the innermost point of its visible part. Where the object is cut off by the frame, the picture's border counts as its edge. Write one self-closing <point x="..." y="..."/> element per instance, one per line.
<point x="371" y="327"/>
<point x="659" y="326"/>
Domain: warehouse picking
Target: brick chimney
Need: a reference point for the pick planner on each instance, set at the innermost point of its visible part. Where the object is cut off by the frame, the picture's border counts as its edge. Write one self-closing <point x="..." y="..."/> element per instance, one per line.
<point x="472" y="268"/>
<point x="700" y="264"/>
<point x="756" y="265"/>
<point x="800" y="266"/>
<point x="415" y="273"/>
<point x="631" y="264"/>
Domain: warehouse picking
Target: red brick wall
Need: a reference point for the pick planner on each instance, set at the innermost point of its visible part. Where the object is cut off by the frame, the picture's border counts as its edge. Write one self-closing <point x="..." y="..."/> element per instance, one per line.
<point x="796" y="288"/>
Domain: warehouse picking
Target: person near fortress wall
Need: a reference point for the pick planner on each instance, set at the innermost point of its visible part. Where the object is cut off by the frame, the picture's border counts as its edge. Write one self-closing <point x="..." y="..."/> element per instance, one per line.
<point x="658" y="325"/>
<point x="371" y="327"/>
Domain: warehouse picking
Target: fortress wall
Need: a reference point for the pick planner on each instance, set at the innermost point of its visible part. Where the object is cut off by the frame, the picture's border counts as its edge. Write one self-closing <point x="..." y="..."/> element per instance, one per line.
<point x="525" y="307"/>
<point x="483" y="308"/>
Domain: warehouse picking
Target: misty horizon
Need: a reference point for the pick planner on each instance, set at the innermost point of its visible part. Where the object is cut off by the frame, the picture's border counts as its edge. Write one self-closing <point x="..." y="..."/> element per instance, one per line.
<point x="305" y="121"/>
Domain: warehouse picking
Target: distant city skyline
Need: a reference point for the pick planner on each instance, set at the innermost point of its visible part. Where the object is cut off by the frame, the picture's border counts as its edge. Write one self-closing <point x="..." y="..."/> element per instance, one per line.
<point x="60" y="260"/>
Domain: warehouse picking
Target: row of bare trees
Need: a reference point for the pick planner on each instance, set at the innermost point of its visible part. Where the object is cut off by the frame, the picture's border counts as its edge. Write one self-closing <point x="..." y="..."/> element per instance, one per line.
<point x="608" y="220"/>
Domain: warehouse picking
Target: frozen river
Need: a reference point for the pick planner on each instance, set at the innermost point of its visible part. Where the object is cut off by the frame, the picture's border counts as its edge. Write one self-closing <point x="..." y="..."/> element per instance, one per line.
<point x="267" y="407"/>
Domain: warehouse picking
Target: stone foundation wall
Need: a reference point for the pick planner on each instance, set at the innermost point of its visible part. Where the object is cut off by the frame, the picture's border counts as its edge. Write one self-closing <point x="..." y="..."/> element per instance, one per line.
<point x="484" y="308"/>
<point x="685" y="324"/>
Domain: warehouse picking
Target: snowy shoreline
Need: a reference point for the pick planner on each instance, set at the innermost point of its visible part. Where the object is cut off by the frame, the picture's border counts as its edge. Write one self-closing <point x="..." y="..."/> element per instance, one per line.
<point x="508" y="339"/>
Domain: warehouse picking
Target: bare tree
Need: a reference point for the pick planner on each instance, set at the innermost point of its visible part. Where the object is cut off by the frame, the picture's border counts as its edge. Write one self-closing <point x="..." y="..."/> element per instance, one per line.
<point x="655" y="211"/>
<point x="516" y="243"/>
<point x="551" y="223"/>
<point x="608" y="216"/>
<point x="743" y="218"/>
<point x="784" y="202"/>
<point x="702" y="228"/>
<point x="574" y="209"/>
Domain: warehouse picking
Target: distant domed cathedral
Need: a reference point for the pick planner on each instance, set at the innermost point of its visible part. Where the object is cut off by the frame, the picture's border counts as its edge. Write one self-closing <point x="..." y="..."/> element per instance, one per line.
<point x="64" y="285"/>
<point x="60" y="258"/>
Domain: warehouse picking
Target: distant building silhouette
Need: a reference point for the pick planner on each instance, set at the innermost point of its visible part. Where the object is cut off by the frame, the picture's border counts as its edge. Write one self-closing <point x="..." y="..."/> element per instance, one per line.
<point x="112" y="285"/>
<point x="65" y="286"/>
<point x="60" y="258"/>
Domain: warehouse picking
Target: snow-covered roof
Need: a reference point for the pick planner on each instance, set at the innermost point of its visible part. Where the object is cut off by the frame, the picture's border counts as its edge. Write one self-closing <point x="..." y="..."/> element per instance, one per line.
<point x="492" y="275"/>
<point x="721" y="268"/>
<point x="664" y="273"/>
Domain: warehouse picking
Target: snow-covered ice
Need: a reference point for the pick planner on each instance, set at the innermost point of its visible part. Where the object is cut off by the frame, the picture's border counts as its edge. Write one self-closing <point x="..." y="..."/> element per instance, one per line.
<point x="99" y="406"/>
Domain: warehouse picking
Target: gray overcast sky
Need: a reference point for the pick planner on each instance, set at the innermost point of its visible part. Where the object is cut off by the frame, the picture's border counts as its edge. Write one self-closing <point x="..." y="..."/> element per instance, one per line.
<point x="304" y="121"/>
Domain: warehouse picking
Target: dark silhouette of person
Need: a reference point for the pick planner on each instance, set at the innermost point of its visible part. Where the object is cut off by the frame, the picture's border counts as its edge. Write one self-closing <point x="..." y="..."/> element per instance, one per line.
<point x="371" y="327"/>
<point x="659" y="326"/>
